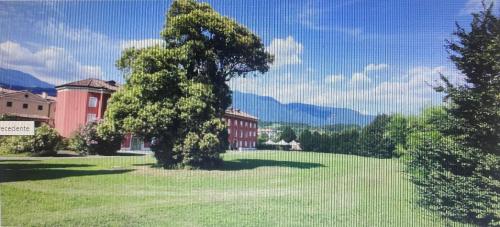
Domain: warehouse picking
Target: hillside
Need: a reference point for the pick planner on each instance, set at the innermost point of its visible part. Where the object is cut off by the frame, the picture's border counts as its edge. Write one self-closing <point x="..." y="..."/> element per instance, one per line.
<point x="270" y="110"/>
<point x="17" y="80"/>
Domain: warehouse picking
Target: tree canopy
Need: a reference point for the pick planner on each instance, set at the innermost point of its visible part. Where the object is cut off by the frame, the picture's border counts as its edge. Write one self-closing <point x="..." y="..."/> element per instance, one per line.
<point x="176" y="93"/>
<point x="475" y="105"/>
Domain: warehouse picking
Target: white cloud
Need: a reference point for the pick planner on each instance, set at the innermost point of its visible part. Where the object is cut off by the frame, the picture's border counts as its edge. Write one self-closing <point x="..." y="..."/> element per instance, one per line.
<point x="333" y="79"/>
<point x="286" y="51"/>
<point x="313" y="14"/>
<point x="362" y="78"/>
<point x="359" y="78"/>
<point x="375" y="67"/>
<point x="58" y="30"/>
<point x="476" y="5"/>
<point x="141" y="43"/>
<point x="408" y="94"/>
<point x="51" y="64"/>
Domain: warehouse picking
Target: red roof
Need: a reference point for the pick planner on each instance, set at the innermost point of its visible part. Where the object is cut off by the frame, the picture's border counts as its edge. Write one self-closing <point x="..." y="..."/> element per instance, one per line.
<point x="7" y="91"/>
<point x="92" y="83"/>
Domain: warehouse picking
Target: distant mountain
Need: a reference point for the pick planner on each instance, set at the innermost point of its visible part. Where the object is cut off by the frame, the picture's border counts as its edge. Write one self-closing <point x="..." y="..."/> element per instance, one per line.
<point x="265" y="108"/>
<point x="270" y="110"/>
<point x="17" y="80"/>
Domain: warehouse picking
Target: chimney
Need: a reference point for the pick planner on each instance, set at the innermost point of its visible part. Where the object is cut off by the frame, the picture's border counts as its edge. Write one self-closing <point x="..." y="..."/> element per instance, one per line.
<point x="111" y="82"/>
<point x="44" y="95"/>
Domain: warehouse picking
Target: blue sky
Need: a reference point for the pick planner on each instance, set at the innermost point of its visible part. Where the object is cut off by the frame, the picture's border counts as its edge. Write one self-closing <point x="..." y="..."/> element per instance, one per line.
<point x="371" y="56"/>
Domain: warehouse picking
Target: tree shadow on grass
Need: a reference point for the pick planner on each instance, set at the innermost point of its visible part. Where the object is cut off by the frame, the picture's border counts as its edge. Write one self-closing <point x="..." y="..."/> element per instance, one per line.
<point x="244" y="164"/>
<point x="14" y="172"/>
<point x="127" y="154"/>
<point x="19" y="160"/>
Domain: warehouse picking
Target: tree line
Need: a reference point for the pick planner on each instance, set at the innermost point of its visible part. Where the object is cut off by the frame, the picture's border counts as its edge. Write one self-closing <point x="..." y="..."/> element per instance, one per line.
<point x="378" y="139"/>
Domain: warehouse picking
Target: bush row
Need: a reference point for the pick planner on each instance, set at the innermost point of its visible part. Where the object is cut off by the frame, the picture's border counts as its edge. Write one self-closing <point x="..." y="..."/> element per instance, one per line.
<point x="89" y="139"/>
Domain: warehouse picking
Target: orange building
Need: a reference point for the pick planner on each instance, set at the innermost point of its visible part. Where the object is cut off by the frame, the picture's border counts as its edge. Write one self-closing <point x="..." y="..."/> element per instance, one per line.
<point x="24" y="105"/>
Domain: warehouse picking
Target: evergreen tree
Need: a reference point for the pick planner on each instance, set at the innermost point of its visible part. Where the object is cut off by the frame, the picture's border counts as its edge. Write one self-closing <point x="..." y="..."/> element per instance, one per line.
<point x="306" y="140"/>
<point x="475" y="106"/>
<point x="456" y="161"/>
<point x="288" y="134"/>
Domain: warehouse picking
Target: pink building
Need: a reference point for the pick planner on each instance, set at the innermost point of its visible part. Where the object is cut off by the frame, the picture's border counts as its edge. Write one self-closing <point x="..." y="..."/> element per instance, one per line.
<point x="80" y="102"/>
<point x="86" y="100"/>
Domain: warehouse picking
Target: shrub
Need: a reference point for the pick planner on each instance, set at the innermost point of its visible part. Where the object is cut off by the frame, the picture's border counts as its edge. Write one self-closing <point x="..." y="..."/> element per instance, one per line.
<point x="45" y="142"/>
<point x="94" y="139"/>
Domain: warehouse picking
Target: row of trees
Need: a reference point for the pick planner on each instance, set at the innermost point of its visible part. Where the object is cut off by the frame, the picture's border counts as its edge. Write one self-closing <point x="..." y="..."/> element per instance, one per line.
<point x="379" y="139"/>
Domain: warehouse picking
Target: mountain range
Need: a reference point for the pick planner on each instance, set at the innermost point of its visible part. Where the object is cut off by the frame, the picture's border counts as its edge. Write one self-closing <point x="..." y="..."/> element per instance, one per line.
<point x="270" y="110"/>
<point x="265" y="108"/>
<point x="17" y="80"/>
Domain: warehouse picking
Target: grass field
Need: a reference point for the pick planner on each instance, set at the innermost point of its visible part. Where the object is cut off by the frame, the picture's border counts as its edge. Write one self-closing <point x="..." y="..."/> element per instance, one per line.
<point x="253" y="189"/>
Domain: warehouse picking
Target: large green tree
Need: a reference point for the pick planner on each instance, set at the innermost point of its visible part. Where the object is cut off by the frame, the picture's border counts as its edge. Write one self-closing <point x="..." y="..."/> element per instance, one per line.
<point x="176" y="93"/>
<point x="456" y="160"/>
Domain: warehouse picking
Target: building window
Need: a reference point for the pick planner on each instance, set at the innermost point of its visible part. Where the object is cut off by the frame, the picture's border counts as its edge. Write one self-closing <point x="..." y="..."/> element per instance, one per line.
<point x="26" y="95"/>
<point x="228" y="131"/>
<point x="40" y="107"/>
<point x="92" y="101"/>
<point x="228" y="122"/>
<point x="25" y="106"/>
<point x="9" y="104"/>
<point x="245" y="143"/>
<point x="91" y="117"/>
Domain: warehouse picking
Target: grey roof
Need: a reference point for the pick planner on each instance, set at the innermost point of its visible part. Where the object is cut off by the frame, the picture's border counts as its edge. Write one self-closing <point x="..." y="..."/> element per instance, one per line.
<point x="239" y="113"/>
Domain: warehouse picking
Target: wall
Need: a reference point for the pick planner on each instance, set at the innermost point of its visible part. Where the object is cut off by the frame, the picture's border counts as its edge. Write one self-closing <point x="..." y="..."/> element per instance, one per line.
<point x="241" y="132"/>
<point x="71" y="111"/>
<point x="33" y="101"/>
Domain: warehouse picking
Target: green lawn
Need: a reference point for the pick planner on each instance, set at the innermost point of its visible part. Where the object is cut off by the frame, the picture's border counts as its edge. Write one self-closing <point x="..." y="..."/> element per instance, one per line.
<point x="253" y="189"/>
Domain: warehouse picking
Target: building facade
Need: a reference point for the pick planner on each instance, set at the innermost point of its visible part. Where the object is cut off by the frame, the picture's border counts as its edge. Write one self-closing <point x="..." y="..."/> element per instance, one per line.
<point x="86" y="100"/>
<point x="242" y="129"/>
<point x="80" y="102"/>
<point x="24" y="105"/>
